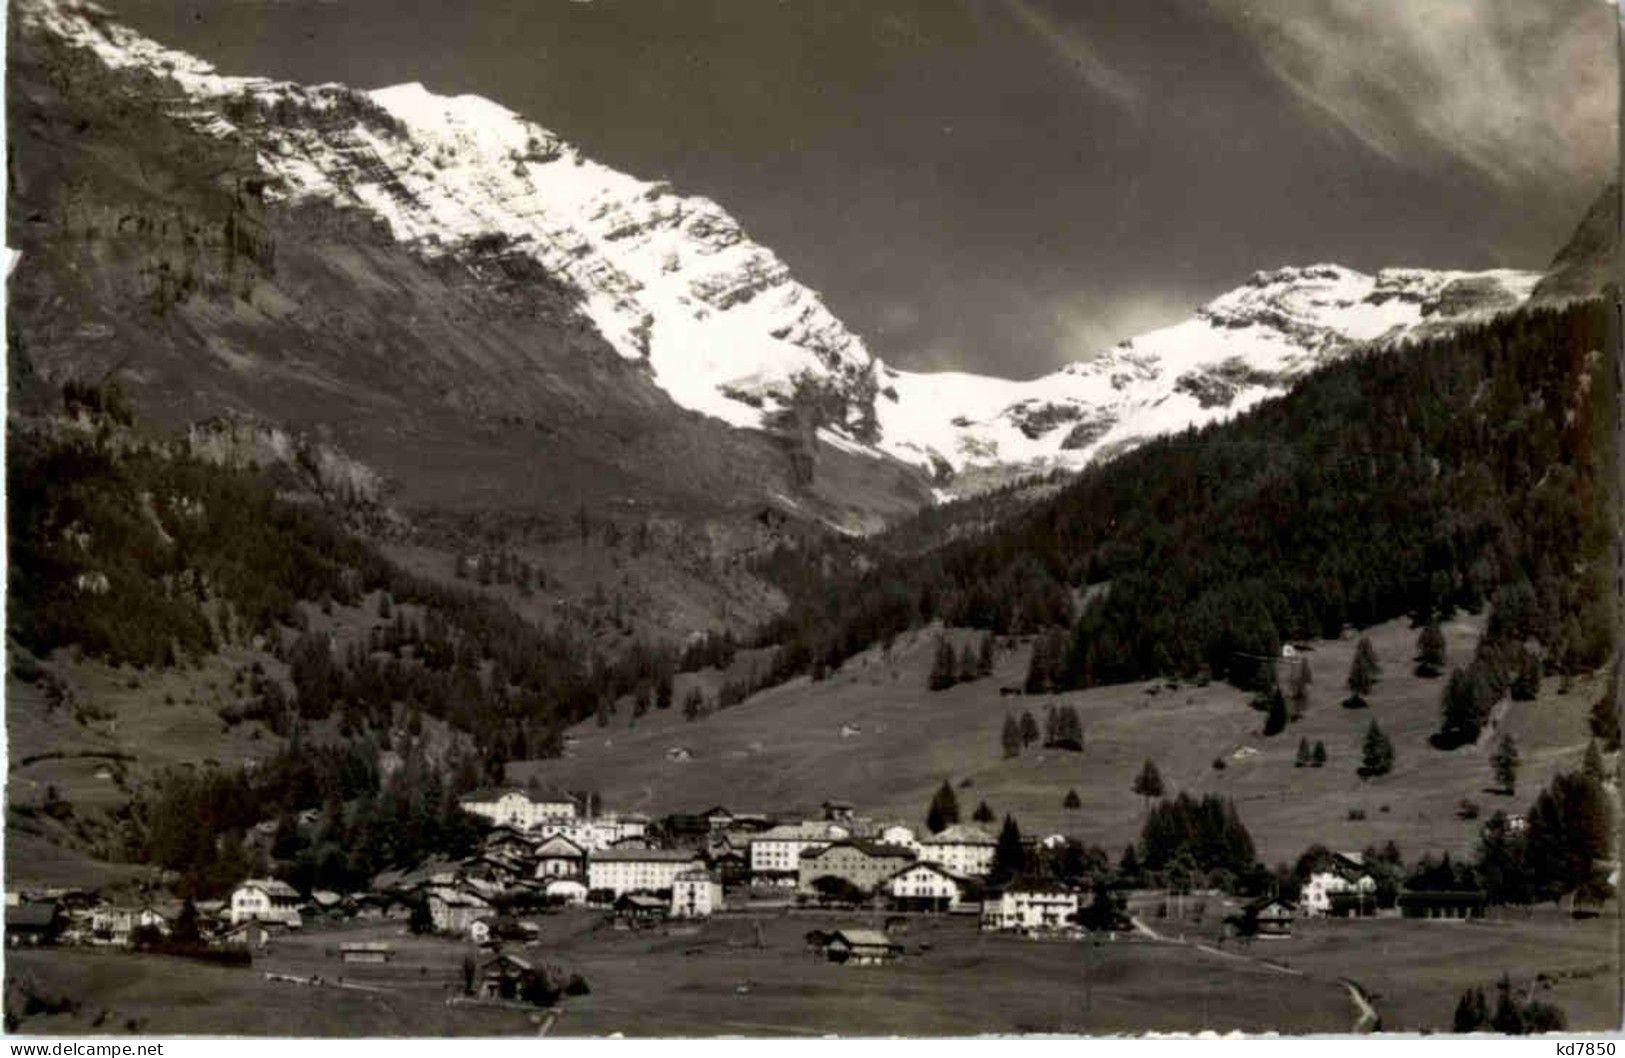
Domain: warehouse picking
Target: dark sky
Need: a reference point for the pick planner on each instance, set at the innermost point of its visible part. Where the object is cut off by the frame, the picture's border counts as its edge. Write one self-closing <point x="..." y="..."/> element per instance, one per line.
<point x="1006" y="185"/>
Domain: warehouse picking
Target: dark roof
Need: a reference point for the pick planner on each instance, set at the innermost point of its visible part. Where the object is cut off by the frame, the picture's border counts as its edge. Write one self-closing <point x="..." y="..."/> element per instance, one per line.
<point x="868" y="848"/>
<point x="1442" y="896"/>
<point x="863" y="938"/>
<point x="31" y="915"/>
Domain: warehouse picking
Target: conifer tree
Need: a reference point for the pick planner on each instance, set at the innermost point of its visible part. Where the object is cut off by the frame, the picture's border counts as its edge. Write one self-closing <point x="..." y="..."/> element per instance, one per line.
<point x="1304" y="756"/>
<point x="1275" y="719"/>
<point x="1505" y="763"/>
<point x="1009" y="856"/>
<point x="1604" y="719"/>
<point x="983" y="813"/>
<point x="1430" y="651"/>
<point x="942" y="666"/>
<point x="967" y="665"/>
<point x="1458" y="709"/>
<point x="1591" y="766"/>
<point x="1301" y="679"/>
<point x="1072" y="800"/>
<point x="1148" y="784"/>
<point x="984" y="656"/>
<point x="1377" y="753"/>
<point x="944" y="811"/>
<point x="1318" y="755"/>
<point x="1011" y="736"/>
<point x="1029" y="728"/>
<point x="1363" y="672"/>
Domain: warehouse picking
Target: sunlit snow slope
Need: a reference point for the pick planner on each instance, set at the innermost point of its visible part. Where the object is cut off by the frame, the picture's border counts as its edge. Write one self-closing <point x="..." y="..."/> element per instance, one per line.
<point x="674" y="282"/>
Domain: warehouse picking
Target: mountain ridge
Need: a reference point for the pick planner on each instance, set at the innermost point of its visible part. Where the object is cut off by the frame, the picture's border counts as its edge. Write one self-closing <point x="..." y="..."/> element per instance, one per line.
<point x="675" y="287"/>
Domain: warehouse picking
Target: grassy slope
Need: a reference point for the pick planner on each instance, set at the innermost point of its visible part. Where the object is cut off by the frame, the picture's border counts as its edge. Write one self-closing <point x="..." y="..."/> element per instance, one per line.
<point x="782" y="750"/>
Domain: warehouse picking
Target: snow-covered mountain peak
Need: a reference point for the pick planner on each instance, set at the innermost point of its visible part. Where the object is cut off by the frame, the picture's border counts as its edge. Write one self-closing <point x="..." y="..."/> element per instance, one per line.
<point x="673" y="282"/>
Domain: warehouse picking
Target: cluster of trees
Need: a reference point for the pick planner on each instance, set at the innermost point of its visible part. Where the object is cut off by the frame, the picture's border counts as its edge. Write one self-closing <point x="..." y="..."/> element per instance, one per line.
<point x="501" y="568"/>
<point x="1184" y="835"/>
<point x="1560" y="849"/>
<point x="1063" y="729"/>
<point x="948" y="669"/>
<point x="1417" y="481"/>
<point x="1511" y="1017"/>
<point x="198" y="823"/>
<point x="944" y="809"/>
<point x="1310" y="756"/>
<point x="1364" y="671"/>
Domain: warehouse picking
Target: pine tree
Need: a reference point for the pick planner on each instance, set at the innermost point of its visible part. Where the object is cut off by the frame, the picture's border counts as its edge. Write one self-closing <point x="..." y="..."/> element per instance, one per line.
<point x="1009" y="856"/>
<point x="942" y="666"/>
<point x="1458" y="712"/>
<point x="663" y="691"/>
<point x="1430" y="651"/>
<point x="1505" y="763"/>
<point x="1472" y="1012"/>
<point x="984" y="656"/>
<point x="1011" y="736"/>
<point x="1072" y="800"/>
<point x="1508" y="1019"/>
<point x="1526" y="677"/>
<point x="1029" y="728"/>
<point x="1304" y="757"/>
<point x="1128" y="867"/>
<point x="1039" y="667"/>
<point x="944" y="811"/>
<point x="1301" y="679"/>
<point x="1604" y="719"/>
<point x="1377" y="753"/>
<point x="967" y="665"/>
<point x="1275" y="719"/>
<point x="983" y="813"/>
<point x="1148" y="784"/>
<point x="1591" y="766"/>
<point x="693" y="704"/>
<point x="1318" y="756"/>
<point x="1363" y="673"/>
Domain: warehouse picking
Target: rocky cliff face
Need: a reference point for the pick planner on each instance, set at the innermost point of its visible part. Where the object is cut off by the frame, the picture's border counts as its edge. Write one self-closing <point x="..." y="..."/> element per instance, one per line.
<point x="576" y="288"/>
<point x="1589" y="263"/>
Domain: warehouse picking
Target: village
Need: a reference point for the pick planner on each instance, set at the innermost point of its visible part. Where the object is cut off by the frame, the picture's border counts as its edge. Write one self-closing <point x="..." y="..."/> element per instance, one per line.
<point x="543" y="853"/>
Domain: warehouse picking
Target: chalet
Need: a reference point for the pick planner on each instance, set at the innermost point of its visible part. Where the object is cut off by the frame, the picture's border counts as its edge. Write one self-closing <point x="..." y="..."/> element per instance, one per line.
<point x="366" y="952"/>
<point x="267" y="900"/>
<point x="717" y="818"/>
<point x="506" y="977"/>
<point x="1343" y="887"/>
<point x="1031" y="907"/>
<point x="775" y="855"/>
<point x="638" y="870"/>
<point x="453" y="910"/>
<point x="559" y="857"/>
<point x="505" y="839"/>
<point x="695" y="894"/>
<point x="860" y="947"/>
<point x="493" y="868"/>
<point x="1274" y="920"/>
<point x="863" y="864"/>
<point x="32" y="923"/>
<point x="925" y="887"/>
<point x="962" y="850"/>
<point x="514" y="807"/>
<point x="383" y="907"/>
<point x="1456" y="904"/>
<point x="639" y="909"/>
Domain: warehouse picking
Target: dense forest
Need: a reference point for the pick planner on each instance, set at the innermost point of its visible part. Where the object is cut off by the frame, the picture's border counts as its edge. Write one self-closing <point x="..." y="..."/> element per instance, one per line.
<point x="137" y="553"/>
<point x="1446" y="474"/>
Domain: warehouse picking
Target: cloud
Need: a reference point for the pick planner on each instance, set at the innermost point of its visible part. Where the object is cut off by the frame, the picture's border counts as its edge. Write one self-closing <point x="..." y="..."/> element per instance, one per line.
<point x="1522" y="91"/>
<point x="1076" y="51"/>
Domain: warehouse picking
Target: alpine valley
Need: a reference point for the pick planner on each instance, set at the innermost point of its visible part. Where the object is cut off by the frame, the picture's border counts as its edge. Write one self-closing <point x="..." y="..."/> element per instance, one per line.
<point x="369" y="448"/>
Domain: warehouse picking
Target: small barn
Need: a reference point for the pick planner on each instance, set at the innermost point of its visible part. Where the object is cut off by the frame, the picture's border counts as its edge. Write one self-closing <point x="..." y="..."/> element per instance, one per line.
<point x="31" y="923"/>
<point x="366" y="952"/>
<point x="639" y="909"/>
<point x="505" y="977"/>
<point x="861" y="947"/>
<point x="1442" y="903"/>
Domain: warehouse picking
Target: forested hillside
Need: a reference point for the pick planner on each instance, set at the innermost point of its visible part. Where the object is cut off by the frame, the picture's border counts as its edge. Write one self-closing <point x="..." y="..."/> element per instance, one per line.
<point x="1467" y="469"/>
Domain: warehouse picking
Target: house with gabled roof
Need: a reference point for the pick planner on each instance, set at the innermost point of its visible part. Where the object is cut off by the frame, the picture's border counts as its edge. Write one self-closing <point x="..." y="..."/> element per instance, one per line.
<point x="961" y="849"/>
<point x="1031" y="906"/>
<point x="924" y="886"/>
<point x="864" y="864"/>
<point x="560" y="857"/>
<point x="268" y="900"/>
<point x="860" y="947"/>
